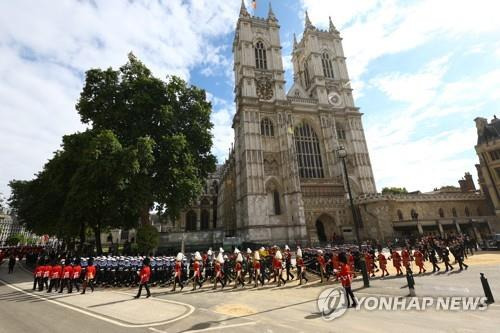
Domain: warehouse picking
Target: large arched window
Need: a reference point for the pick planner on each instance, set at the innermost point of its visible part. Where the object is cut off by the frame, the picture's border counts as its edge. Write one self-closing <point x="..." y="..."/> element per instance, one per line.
<point x="191" y="221"/>
<point x="327" y="65"/>
<point x="205" y="217"/>
<point x="260" y="56"/>
<point x="441" y="212"/>
<point x="308" y="152"/>
<point x="340" y="131"/>
<point x="277" y="206"/>
<point x="266" y="127"/>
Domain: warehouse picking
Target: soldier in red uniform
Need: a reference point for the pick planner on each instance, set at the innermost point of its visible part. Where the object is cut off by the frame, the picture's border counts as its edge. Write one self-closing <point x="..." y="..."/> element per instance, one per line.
<point x="256" y="270"/>
<point x="89" y="276"/>
<point x="239" y="271"/>
<point x="345" y="278"/>
<point x="301" y="268"/>
<point x="419" y="260"/>
<point x="396" y="262"/>
<point x="322" y="264"/>
<point x="66" y="277"/>
<point x="197" y="270"/>
<point x="178" y="271"/>
<point x="218" y="271"/>
<point x="144" y="276"/>
<point x="38" y="276"/>
<point x="55" y="277"/>
<point x="405" y="254"/>
<point x="382" y="260"/>
<point x="288" y="263"/>
<point x="369" y="264"/>
<point x="75" y="279"/>
<point x="47" y="272"/>
<point x="278" y="267"/>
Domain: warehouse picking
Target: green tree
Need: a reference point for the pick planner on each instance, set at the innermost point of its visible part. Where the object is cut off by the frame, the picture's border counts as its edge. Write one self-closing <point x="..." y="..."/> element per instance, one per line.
<point x="394" y="190"/>
<point x="147" y="239"/>
<point x="171" y="115"/>
<point x="15" y="239"/>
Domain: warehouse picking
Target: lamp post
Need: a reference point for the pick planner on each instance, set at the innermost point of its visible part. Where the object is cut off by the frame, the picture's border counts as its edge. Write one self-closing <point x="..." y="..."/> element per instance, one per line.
<point x="342" y="154"/>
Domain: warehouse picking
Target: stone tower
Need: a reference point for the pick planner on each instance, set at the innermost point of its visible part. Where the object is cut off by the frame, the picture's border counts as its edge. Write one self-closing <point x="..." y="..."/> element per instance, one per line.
<point x="290" y="187"/>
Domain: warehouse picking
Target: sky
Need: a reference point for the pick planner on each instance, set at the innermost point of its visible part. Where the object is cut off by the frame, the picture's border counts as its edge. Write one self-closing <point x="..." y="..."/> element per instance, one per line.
<point x="421" y="72"/>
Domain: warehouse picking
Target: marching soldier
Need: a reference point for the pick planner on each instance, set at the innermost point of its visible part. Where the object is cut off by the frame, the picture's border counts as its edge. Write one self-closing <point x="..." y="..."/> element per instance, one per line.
<point x="396" y="262"/>
<point x="47" y="272"/>
<point x="38" y="276"/>
<point x="55" y="276"/>
<point x="239" y="274"/>
<point x="66" y="277"/>
<point x="369" y="264"/>
<point x="197" y="270"/>
<point x="301" y="268"/>
<point x="433" y="260"/>
<point x="90" y="273"/>
<point x="322" y="265"/>
<point x="218" y="271"/>
<point x="405" y="254"/>
<point x="288" y="263"/>
<point x="346" y="277"/>
<point x="249" y="265"/>
<point x="382" y="260"/>
<point x="419" y="261"/>
<point x="144" y="275"/>
<point x="445" y="254"/>
<point x="278" y="267"/>
<point x="258" y="277"/>
<point x="75" y="278"/>
<point x="178" y="271"/>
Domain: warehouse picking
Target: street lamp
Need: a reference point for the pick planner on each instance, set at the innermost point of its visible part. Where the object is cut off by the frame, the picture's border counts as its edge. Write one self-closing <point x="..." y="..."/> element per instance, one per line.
<point x="342" y="154"/>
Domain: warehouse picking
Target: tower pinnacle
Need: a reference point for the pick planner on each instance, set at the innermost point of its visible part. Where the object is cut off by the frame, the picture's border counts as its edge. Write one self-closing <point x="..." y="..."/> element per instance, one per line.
<point x="332" y="27"/>
<point x="308" y="22"/>
<point x="243" y="10"/>
<point x="270" y="14"/>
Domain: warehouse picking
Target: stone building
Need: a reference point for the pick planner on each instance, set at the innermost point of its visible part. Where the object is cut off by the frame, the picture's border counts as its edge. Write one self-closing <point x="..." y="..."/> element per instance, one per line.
<point x="488" y="152"/>
<point x="282" y="182"/>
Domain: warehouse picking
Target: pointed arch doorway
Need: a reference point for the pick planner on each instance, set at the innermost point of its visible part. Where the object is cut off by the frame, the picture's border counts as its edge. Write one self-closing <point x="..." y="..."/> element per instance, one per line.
<point x="326" y="228"/>
<point x="320" y="230"/>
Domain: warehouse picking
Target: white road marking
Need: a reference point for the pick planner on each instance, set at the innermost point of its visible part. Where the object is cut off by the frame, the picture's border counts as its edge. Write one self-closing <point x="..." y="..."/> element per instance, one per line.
<point x="156" y="330"/>
<point x="220" y="327"/>
<point x="106" y="319"/>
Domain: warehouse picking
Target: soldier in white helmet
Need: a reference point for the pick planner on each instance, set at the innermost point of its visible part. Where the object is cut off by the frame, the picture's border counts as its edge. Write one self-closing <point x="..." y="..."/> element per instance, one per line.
<point x="288" y="263"/>
<point x="249" y="265"/>
<point x="197" y="270"/>
<point x="301" y="268"/>
<point x="178" y="271"/>
<point x="239" y="271"/>
<point x="256" y="268"/>
<point x="278" y="267"/>
<point x="218" y="271"/>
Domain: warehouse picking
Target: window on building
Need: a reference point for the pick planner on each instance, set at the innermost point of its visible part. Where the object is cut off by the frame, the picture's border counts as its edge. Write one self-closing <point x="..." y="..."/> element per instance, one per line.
<point x="266" y="127"/>
<point x="467" y="212"/>
<point x="454" y="212"/>
<point x="191" y="221"/>
<point x="306" y="75"/>
<point x="414" y="214"/>
<point x="277" y="206"/>
<point x="308" y="152"/>
<point x="260" y="56"/>
<point x="441" y="212"/>
<point x="205" y="217"/>
<point x="340" y="131"/>
<point x="495" y="155"/>
<point x="327" y="65"/>
<point x="400" y="215"/>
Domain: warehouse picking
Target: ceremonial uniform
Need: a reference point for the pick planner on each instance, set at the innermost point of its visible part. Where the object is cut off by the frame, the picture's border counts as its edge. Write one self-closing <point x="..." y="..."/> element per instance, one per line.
<point x="345" y="278"/>
<point x="396" y="262"/>
<point x="75" y="278"/>
<point x="66" y="278"/>
<point x="144" y="275"/>
<point x="178" y="272"/>
<point x="322" y="264"/>
<point x="288" y="263"/>
<point x="301" y="268"/>
<point x="90" y="274"/>
<point x="382" y="260"/>
<point x="419" y="261"/>
<point x="55" y="277"/>
<point x="197" y="271"/>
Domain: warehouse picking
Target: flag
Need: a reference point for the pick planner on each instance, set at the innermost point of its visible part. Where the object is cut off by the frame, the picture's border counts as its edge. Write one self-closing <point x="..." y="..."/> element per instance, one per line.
<point x="254" y="4"/>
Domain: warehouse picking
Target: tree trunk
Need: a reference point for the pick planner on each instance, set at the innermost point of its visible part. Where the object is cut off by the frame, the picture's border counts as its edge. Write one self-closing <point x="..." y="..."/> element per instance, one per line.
<point x="145" y="215"/>
<point x="97" y="234"/>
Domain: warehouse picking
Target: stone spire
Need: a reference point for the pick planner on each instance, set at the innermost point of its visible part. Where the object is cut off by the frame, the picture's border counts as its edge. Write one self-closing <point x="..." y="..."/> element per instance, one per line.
<point x="243" y="10"/>
<point x="294" y="41"/>
<point x="308" y="22"/>
<point x="332" y="27"/>
<point x="270" y="14"/>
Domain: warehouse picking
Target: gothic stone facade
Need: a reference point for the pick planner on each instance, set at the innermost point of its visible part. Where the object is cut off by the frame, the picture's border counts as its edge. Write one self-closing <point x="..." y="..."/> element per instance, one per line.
<point x="282" y="182"/>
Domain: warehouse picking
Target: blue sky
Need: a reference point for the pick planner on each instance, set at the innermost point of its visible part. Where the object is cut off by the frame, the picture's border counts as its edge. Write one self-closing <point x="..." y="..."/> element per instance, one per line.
<point x="421" y="71"/>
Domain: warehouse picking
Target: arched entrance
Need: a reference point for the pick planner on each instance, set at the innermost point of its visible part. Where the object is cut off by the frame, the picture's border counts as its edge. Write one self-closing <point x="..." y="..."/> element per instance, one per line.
<point x="326" y="228"/>
<point x="320" y="230"/>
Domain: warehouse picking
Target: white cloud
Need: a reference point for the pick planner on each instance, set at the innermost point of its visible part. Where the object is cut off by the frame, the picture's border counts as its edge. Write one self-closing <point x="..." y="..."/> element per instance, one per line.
<point x="46" y="46"/>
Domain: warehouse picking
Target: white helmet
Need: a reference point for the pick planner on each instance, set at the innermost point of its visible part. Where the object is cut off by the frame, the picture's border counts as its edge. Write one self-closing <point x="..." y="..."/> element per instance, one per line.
<point x="236" y="250"/>
<point x="225" y="256"/>
<point x="286" y="247"/>
<point x="249" y="251"/>
<point x="209" y="252"/>
<point x="320" y="251"/>
<point x="257" y="255"/>
<point x="262" y="248"/>
<point x="239" y="258"/>
<point x="299" y="253"/>
<point x="278" y="255"/>
<point x="220" y="259"/>
<point x="197" y="256"/>
<point x="221" y="250"/>
<point x="179" y="256"/>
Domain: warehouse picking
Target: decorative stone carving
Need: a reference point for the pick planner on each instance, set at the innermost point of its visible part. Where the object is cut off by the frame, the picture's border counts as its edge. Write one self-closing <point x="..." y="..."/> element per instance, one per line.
<point x="264" y="88"/>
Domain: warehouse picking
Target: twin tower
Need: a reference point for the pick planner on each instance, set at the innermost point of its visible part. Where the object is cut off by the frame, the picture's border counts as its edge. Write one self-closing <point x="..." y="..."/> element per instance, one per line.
<point x="283" y="182"/>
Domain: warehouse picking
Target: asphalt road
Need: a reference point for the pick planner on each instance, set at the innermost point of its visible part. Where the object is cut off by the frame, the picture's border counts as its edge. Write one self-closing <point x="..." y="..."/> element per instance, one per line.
<point x="268" y="309"/>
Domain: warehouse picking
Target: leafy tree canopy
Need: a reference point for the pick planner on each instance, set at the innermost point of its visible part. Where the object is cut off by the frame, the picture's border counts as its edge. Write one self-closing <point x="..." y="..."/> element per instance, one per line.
<point x="148" y="238"/>
<point x="394" y="190"/>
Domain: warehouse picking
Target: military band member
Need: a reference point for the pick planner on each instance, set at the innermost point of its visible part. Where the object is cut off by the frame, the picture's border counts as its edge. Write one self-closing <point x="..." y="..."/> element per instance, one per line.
<point x="278" y="267"/>
<point x="258" y="277"/>
<point x="288" y="263"/>
<point x="218" y="271"/>
<point x="178" y="271"/>
<point x="197" y="270"/>
<point x="239" y="271"/>
<point x="301" y="268"/>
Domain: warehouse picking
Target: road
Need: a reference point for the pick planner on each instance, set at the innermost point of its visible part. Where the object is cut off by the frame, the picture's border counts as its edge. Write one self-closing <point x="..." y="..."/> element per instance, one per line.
<point x="268" y="309"/>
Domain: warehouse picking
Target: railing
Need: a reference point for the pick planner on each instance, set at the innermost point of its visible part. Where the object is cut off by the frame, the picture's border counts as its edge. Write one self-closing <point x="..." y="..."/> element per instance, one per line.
<point x="303" y="100"/>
